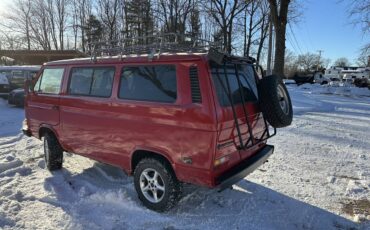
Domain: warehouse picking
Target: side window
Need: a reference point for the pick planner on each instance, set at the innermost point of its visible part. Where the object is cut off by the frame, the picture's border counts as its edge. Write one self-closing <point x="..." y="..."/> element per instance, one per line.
<point x="91" y="81"/>
<point x="149" y="83"/>
<point x="50" y="81"/>
<point x="18" y="74"/>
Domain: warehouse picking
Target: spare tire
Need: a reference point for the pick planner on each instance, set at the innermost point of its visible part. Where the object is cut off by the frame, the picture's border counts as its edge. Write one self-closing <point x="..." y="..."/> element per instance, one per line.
<point x="275" y="101"/>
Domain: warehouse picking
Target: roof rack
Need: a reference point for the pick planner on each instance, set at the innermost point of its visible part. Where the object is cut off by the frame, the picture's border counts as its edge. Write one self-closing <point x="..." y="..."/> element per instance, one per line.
<point x="153" y="45"/>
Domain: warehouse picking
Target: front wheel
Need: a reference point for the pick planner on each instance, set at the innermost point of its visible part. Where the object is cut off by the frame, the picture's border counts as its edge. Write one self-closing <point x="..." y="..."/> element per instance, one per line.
<point x="53" y="152"/>
<point x="156" y="184"/>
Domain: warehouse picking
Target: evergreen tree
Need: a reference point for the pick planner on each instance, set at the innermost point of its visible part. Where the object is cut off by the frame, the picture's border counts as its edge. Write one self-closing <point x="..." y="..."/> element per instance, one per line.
<point x="140" y="20"/>
<point x="94" y="31"/>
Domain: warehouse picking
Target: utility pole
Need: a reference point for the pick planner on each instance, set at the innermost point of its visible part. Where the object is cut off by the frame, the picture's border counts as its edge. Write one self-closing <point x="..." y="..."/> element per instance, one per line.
<point x="269" y="72"/>
<point x="318" y="61"/>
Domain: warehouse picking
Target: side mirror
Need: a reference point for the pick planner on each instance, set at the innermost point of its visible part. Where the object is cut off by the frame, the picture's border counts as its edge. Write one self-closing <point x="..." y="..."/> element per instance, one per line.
<point x="28" y="86"/>
<point x="260" y="72"/>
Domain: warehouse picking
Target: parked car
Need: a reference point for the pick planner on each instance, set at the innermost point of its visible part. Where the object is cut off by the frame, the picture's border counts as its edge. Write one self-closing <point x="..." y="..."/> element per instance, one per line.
<point x="199" y="118"/>
<point x="4" y="86"/>
<point x="289" y="82"/>
<point x="321" y="79"/>
<point x="335" y="82"/>
<point x="361" y="82"/>
<point x="303" y="78"/>
<point x="17" y="75"/>
<point x="16" y="97"/>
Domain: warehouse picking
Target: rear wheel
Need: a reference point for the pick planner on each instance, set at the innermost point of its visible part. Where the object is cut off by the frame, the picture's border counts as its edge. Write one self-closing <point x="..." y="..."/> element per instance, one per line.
<point x="275" y="101"/>
<point x="53" y="152"/>
<point x="156" y="184"/>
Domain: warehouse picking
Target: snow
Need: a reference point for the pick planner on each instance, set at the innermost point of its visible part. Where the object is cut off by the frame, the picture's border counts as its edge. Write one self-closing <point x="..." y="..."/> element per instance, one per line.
<point x="318" y="178"/>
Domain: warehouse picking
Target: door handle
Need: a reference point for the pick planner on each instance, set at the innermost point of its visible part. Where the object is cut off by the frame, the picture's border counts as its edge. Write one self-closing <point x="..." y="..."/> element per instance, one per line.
<point x="55" y="107"/>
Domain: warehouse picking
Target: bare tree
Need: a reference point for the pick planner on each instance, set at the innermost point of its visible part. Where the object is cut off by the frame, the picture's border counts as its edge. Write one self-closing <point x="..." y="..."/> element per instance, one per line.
<point x="264" y="28"/>
<point x="279" y="16"/>
<point x="61" y="8"/>
<point x="308" y="61"/>
<point x="224" y="13"/>
<point x="173" y="15"/>
<point x="108" y="10"/>
<point x="342" y="62"/>
<point x="75" y="21"/>
<point x="253" y="25"/>
<point x="81" y="11"/>
<point x="363" y="60"/>
<point x="360" y="15"/>
<point x="17" y="20"/>
<point x="40" y="24"/>
<point x="52" y="24"/>
<point x="139" y="19"/>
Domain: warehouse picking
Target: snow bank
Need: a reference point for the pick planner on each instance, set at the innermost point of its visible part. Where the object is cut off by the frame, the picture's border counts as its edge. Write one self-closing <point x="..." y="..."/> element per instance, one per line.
<point x="343" y="90"/>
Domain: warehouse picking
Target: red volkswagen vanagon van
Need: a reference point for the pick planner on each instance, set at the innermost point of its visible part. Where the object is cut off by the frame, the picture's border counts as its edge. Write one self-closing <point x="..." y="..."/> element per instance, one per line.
<point x="199" y="118"/>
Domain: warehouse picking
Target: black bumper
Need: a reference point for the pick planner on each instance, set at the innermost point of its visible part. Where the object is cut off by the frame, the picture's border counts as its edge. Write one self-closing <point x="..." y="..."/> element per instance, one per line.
<point x="244" y="168"/>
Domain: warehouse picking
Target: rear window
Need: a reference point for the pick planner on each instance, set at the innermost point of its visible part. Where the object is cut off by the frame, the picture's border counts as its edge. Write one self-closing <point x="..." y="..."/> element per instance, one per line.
<point x="149" y="83"/>
<point x="224" y="77"/>
<point x="91" y="81"/>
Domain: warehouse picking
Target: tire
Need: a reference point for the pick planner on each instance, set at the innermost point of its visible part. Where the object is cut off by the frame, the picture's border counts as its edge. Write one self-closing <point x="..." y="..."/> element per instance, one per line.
<point x="147" y="184"/>
<point x="275" y="102"/>
<point x="324" y="83"/>
<point x="53" y="152"/>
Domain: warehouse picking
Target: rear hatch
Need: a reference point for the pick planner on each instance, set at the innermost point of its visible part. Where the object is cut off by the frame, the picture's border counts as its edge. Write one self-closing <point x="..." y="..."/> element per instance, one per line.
<point x="241" y="125"/>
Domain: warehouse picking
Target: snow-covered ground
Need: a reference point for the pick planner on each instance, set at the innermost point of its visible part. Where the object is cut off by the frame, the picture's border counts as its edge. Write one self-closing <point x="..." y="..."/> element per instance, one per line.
<point x="318" y="178"/>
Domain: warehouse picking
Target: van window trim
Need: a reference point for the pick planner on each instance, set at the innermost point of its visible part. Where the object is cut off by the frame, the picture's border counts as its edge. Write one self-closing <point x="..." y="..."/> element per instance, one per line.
<point x="92" y="67"/>
<point x="41" y="76"/>
<point x="149" y="101"/>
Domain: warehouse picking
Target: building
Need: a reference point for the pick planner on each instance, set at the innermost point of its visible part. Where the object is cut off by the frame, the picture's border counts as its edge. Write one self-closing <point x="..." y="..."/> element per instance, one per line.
<point x="38" y="57"/>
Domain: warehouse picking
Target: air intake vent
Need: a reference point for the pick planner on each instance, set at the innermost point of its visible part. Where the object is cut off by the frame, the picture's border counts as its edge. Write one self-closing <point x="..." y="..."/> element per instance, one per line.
<point x="196" y="96"/>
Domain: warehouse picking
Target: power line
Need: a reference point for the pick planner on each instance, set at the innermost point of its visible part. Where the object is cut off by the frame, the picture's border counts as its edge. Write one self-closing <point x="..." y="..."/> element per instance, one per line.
<point x="292" y="44"/>
<point x="295" y="39"/>
<point x="308" y="35"/>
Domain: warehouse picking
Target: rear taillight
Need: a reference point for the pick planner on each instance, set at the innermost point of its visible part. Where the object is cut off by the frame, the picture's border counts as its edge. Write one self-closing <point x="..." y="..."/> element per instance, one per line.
<point x="221" y="161"/>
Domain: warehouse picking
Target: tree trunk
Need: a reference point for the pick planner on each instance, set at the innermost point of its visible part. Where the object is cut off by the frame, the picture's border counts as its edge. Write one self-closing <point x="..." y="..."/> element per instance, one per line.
<point x="279" y="50"/>
<point x="279" y="16"/>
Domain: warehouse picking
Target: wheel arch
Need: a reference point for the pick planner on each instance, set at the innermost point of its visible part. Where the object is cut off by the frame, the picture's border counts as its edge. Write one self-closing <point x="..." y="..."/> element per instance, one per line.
<point x="44" y="128"/>
<point x="141" y="153"/>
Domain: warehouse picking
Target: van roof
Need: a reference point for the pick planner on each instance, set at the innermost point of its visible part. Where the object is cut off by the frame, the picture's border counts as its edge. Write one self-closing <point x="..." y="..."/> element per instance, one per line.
<point x="143" y="58"/>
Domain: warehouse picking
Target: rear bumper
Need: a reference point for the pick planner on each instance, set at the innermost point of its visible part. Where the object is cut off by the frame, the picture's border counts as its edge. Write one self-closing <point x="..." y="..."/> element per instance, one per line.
<point x="246" y="167"/>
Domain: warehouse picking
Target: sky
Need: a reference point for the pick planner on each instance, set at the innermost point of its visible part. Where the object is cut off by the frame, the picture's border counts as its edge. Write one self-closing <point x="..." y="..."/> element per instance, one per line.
<point x="324" y="25"/>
